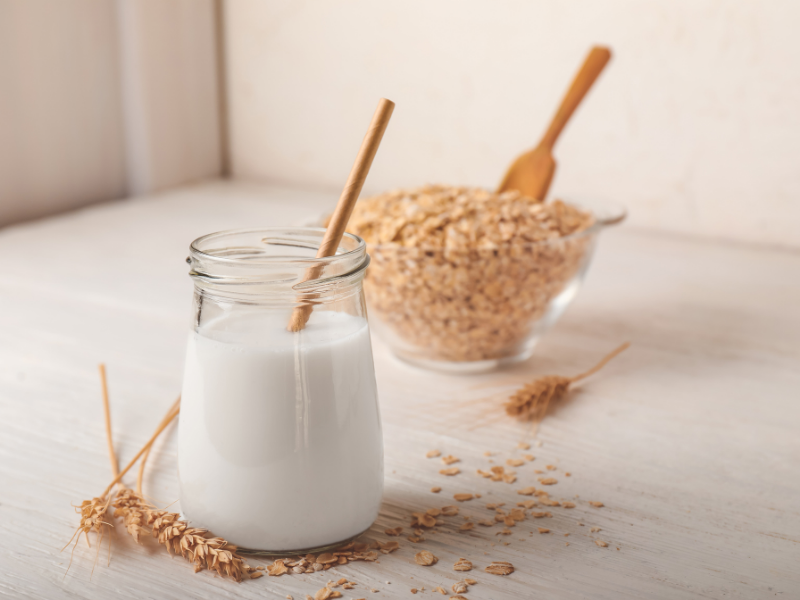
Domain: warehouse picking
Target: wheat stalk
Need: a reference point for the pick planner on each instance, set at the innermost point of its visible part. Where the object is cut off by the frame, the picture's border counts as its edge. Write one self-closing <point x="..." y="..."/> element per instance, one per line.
<point x="532" y="401"/>
<point x="93" y="512"/>
<point x="173" y="533"/>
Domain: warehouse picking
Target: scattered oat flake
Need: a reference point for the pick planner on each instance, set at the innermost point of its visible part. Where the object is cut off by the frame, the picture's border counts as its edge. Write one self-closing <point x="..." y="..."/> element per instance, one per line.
<point x="548" y="480"/>
<point x="568" y="504"/>
<point x="529" y="457"/>
<point x="459" y="587"/>
<point x="527" y="503"/>
<point x="500" y="568"/>
<point x="425" y="558"/>
<point x="433" y="454"/>
<point x="413" y="590"/>
<point x="470" y="581"/>
<point x="450" y="510"/>
<point x="436" y="489"/>
<point x="323" y="594"/>
<point x="487" y="453"/>
<point x="469" y="526"/>
<point x="395" y="531"/>
<point x="505" y="531"/>
<point x="528" y="491"/>
<point x="450" y="472"/>
<point x="597" y="504"/>
<point x="550" y="467"/>
<point x="463" y="497"/>
<point x="440" y="589"/>
<point x="549" y="502"/>
<point x="457" y="597"/>
<point x="544" y="530"/>
<point x="419" y="519"/>
<point x="256" y="575"/>
<point x="515" y="462"/>
<point x="517" y="514"/>
<point x="524" y="446"/>
<point x="486" y="523"/>
<point x="567" y="474"/>
<point x="462" y="565"/>
<point x="277" y="569"/>
<point x="595" y="529"/>
<point x="450" y="459"/>
<point x="601" y="543"/>
<point x="434" y="512"/>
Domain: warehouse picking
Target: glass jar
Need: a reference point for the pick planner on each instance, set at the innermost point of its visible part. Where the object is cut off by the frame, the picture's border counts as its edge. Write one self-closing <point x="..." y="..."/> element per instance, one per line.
<point x="280" y="443"/>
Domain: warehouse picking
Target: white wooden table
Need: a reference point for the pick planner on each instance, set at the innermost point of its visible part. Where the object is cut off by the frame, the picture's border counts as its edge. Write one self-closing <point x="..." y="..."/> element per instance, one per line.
<point x="690" y="438"/>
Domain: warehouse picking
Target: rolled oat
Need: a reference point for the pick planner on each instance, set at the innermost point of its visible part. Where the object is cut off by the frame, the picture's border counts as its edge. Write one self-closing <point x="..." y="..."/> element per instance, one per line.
<point x="463" y="274"/>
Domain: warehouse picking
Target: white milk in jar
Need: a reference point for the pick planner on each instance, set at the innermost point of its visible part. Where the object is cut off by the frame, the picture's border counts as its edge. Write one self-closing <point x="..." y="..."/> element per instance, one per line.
<point x="280" y="444"/>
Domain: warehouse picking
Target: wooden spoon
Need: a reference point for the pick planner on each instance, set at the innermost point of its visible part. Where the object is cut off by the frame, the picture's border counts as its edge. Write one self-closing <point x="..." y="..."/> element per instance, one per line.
<point x="532" y="172"/>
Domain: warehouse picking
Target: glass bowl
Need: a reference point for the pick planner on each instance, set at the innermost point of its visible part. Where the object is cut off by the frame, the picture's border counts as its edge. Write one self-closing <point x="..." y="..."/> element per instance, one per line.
<point x="473" y="310"/>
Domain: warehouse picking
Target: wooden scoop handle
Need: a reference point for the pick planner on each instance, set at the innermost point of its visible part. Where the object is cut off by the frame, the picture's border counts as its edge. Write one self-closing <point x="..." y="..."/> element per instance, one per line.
<point x="592" y="67"/>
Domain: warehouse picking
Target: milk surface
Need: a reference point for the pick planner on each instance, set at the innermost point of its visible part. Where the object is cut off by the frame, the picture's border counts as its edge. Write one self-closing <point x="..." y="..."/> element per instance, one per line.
<point x="280" y="444"/>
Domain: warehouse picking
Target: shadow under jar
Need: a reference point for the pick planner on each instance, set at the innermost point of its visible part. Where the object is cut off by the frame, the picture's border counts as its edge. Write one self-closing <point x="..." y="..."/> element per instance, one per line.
<point x="280" y="446"/>
<point x="468" y="309"/>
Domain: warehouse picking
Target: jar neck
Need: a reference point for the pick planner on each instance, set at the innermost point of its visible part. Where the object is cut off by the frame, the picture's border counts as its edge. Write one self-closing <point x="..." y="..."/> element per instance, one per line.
<point x="276" y="266"/>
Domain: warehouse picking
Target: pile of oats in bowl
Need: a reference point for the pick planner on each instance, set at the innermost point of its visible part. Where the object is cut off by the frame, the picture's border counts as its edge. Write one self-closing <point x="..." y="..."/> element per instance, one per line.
<point x="462" y="275"/>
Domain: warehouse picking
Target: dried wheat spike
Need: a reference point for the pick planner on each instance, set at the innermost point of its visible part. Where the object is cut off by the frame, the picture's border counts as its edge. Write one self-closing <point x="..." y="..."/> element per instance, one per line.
<point x="531" y="402"/>
<point x="176" y="536"/>
<point x="132" y="509"/>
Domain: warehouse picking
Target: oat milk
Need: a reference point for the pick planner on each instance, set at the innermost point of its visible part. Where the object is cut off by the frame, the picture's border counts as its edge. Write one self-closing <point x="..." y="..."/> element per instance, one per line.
<point x="280" y="439"/>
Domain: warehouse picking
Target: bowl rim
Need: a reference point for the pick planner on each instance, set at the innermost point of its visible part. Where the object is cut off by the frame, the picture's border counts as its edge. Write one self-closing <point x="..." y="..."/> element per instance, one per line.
<point x="605" y="214"/>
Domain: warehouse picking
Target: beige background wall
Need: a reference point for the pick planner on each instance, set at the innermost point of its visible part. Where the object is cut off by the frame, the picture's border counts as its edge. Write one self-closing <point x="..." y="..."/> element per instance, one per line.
<point x="695" y="126"/>
<point x="100" y="99"/>
<point x="61" y="132"/>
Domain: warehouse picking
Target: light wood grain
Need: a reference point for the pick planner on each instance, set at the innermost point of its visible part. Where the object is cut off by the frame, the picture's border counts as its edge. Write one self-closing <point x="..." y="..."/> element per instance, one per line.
<point x="689" y="437"/>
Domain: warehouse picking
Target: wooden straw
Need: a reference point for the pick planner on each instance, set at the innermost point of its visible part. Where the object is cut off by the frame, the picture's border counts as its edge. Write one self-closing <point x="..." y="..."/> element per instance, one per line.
<point x="111" y="454"/>
<point x="347" y="200"/>
<point x="173" y="412"/>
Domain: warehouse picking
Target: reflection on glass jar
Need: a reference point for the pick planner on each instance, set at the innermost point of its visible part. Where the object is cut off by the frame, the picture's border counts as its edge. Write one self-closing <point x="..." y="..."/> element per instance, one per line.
<point x="280" y="445"/>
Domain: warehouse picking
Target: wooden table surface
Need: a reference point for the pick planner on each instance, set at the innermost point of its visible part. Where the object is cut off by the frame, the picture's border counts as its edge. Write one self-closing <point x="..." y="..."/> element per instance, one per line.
<point x="690" y="438"/>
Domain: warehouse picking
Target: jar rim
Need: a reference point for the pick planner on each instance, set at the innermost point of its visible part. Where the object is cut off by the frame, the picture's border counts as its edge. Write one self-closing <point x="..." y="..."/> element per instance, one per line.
<point x="278" y="260"/>
<point x="275" y="261"/>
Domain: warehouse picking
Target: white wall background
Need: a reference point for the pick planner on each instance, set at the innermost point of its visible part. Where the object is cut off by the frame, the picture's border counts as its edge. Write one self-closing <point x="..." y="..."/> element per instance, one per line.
<point x="695" y="125"/>
<point x="100" y="99"/>
<point x="61" y="133"/>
